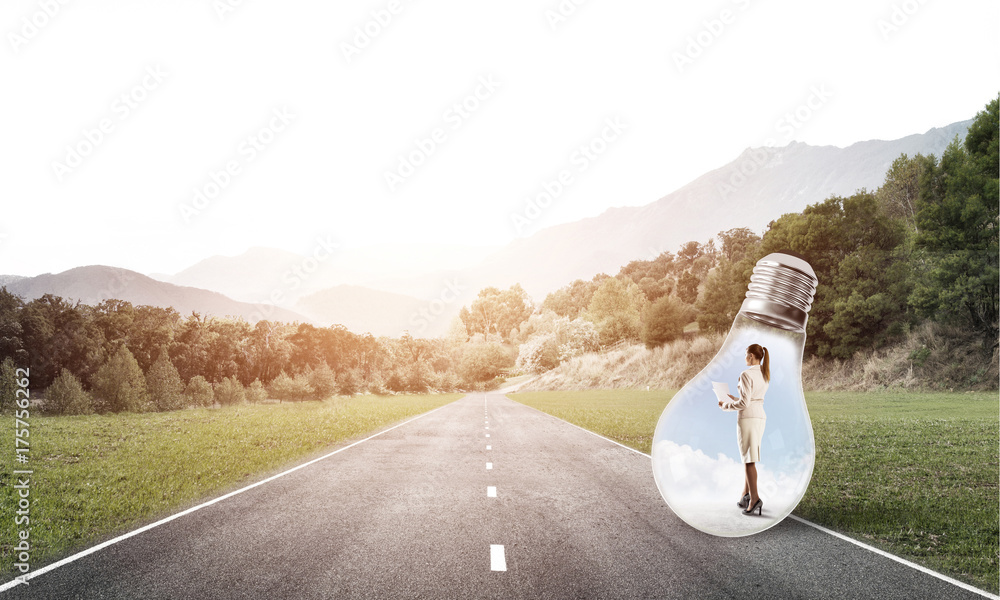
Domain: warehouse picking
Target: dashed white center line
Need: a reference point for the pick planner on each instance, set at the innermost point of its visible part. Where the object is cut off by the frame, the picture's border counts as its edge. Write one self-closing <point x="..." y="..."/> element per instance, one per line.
<point x="489" y="447"/>
<point x="487" y="435"/>
<point x="489" y="466"/>
<point x="491" y="491"/>
<point x="498" y="562"/>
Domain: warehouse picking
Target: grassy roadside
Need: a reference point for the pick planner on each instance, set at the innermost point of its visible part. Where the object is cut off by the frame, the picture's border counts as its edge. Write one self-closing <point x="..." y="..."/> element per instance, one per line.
<point x="915" y="474"/>
<point x="100" y="475"/>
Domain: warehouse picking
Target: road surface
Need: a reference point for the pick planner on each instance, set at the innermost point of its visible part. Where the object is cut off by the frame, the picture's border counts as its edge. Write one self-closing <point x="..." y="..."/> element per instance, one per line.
<point x="483" y="498"/>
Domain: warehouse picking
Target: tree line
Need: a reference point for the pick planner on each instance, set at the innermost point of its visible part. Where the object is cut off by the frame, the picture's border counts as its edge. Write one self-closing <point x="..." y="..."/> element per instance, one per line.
<point x="118" y="357"/>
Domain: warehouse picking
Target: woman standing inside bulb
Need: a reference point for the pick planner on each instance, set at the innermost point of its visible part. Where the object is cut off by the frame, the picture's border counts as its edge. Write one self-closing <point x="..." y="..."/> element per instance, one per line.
<point x="750" y="422"/>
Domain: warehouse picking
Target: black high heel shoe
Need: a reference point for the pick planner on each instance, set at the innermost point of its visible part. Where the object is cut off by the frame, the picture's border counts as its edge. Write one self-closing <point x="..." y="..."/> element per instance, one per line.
<point x="744" y="501"/>
<point x="758" y="506"/>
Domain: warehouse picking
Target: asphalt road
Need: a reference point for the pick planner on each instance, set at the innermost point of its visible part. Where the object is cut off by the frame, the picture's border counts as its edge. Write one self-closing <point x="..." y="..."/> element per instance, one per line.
<point x="408" y="514"/>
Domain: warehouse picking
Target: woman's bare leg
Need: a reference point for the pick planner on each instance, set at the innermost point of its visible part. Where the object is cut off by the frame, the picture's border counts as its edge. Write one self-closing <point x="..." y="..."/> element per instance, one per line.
<point x="751" y="483"/>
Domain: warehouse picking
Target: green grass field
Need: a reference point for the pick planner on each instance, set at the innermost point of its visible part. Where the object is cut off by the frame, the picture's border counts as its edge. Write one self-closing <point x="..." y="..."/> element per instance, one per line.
<point x="914" y="474"/>
<point x="101" y="475"/>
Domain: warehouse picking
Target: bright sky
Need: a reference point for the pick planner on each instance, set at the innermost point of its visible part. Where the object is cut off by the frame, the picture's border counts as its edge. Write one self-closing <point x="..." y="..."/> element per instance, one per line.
<point x="438" y="124"/>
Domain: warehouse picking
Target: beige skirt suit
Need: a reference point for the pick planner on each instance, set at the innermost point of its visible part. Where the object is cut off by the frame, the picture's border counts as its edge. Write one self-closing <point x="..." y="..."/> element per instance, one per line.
<point x="750" y="406"/>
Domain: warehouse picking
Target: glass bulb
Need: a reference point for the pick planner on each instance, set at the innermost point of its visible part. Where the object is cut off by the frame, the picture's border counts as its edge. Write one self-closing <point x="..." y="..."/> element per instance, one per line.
<point x="697" y="462"/>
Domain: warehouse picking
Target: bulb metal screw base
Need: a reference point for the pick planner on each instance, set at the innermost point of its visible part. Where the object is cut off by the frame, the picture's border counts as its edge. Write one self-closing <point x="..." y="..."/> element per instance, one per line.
<point x="781" y="292"/>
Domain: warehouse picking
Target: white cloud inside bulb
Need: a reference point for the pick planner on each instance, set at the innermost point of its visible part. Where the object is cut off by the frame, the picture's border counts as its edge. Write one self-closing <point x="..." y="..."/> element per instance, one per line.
<point x="691" y="479"/>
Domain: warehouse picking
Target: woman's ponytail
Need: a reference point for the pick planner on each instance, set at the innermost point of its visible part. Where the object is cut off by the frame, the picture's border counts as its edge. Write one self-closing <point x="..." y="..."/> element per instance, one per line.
<point x="760" y="353"/>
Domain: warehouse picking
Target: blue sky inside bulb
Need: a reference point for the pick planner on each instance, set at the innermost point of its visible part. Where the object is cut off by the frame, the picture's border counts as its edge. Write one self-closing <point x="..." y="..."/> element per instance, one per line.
<point x="696" y="457"/>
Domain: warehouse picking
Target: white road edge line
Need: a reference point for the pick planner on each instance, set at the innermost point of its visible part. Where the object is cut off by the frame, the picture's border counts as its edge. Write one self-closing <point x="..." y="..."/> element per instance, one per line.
<point x="903" y="561"/>
<point x="921" y="568"/>
<point x="31" y="575"/>
<point x="498" y="562"/>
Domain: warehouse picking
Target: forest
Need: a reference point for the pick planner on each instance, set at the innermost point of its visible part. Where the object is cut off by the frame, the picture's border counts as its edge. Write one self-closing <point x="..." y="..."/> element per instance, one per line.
<point x="921" y="248"/>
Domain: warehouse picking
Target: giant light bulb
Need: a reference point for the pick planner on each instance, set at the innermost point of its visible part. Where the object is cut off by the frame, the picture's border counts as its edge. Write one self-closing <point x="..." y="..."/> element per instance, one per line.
<point x="696" y="456"/>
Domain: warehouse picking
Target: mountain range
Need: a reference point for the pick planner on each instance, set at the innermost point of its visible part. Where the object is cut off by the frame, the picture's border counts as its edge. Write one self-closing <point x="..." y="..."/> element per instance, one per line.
<point x="386" y="290"/>
<point x="96" y="283"/>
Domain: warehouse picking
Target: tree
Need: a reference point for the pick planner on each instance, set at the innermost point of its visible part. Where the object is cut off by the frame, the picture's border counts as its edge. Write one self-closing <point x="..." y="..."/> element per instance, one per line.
<point x="119" y="384"/>
<point x="256" y="394"/>
<point x="854" y="249"/>
<point x="483" y="362"/>
<point x="59" y="334"/>
<point x="164" y="384"/>
<point x="199" y="392"/>
<point x="291" y="389"/>
<point x="571" y="300"/>
<point x="687" y="287"/>
<point x="189" y="348"/>
<point x="738" y="243"/>
<point x="664" y="320"/>
<point x="688" y="253"/>
<point x="615" y="309"/>
<point x="230" y="391"/>
<point x="957" y="218"/>
<point x="870" y="288"/>
<point x="498" y="312"/>
<point x="898" y="195"/>
<point x="349" y="382"/>
<point x="540" y="353"/>
<point x="657" y="269"/>
<point x="152" y="330"/>
<point x="576" y="337"/>
<point x="226" y="349"/>
<point x="726" y="285"/>
<point x="323" y="381"/>
<point x="655" y="289"/>
<point x="66" y="396"/>
<point x="8" y="383"/>
<point x="269" y="351"/>
<point x="11" y="343"/>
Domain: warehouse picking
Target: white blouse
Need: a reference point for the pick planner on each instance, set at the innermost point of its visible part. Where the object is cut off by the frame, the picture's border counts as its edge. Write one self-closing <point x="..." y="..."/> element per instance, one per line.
<point x="752" y="388"/>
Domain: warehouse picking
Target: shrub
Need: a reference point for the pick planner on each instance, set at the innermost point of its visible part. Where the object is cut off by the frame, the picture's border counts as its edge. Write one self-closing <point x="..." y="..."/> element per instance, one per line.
<point x="483" y="362"/>
<point x="230" y="391"/>
<point x="66" y="396"/>
<point x="119" y="384"/>
<point x="8" y="383"/>
<point x="538" y="354"/>
<point x="664" y="320"/>
<point x="199" y="392"/>
<point x="256" y="393"/>
<point x="291" y="389"/>
<point x="163" y="382"/>
<point x="323" y="382"/>
<point x="349" y="382"/>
